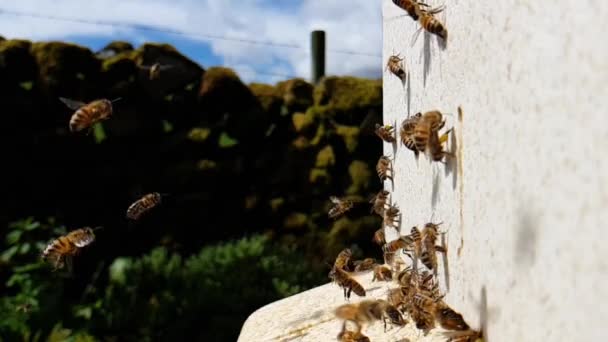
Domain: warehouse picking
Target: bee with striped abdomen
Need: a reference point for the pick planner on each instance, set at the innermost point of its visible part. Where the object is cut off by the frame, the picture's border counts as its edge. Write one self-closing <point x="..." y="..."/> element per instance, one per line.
<point x="346" y="282"/>
<point x="391" y="216"/>
<point x="386" y="133"/>
<point x="384" y="168"/>
<point x="429" y="123"/>
<point x="88" y="114"/>
<point x="60" y="251"/>
<point x="382" y="273"/>
<point x="407" y="130"/>
<point x="429" y="238"/>
<point x="412" y="7"/>
<point x="365" y="264"/>
<point x="379" y="202"/>
<point x="144" y="204"/>
<point x="343" y="259"/>
<point x="395" y="66"/>
<point x="431" y="24"/>
<point x="340" y="206"/>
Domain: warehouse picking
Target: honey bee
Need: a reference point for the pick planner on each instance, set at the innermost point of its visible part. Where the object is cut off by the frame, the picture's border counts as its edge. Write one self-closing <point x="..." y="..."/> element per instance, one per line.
<point x="428" y="286"/>
<point x="155" y="69"/>
<point x="385" y="133"/>
<point x="407" y="131"/>
<point x="343" y="259"/>
<point x="391" y="216"/>
<point x="365" y="264"/>
<point x="435" y="146"/>
<point x="88" y="114"/>
<point x="412" y="7"/>
<point x="395" y="245"/>
<point x="384" y="168"/>
<point x="427" y="124"/>
<point x="60" y="251"/>
<point x="464" y="336"/>
<point x="429" y="238"/>
<point x="142" y="205"/>
<point x="346" y="282"/>
<point x="449" y="319"/>
<point x="379" y="202"/>
<point x="368" y="311"/>
<point x="352" y="336"/>
<point x="382" y="273"/>
<point x="379" y="237"/>
<point x="340" y="207"/>
<point x="416" y="238"/>
<point x="431" y="24"/>
<point x="395" y="65"/>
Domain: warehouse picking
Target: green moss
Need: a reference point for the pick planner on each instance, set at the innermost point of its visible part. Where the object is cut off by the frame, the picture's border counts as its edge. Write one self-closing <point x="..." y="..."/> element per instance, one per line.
<point x="301" y="143"/>
<point x="16" y="62"/>
<point x="226" y="141"/>
<point x="269" y="96"/>
<point x="277" y="203"/>
<point x="347" y="93"/>
<point x="199" y="134"/>
<point x="295" y="221"/>
<point x="360" y="175"/>
<point x="350" y="134"/>
<point x="344" y="231"/>
<point x="297" y="94"/>
<point x="59" y="61"/>
<point x="206" y="164"/>
<point x="219" y="78"/>
<point x="326" y="157"/>
<point x="303" y="121"/>
<point x="319" y="176"/>
<point x="119" y="46"/>
<point x="319" y="135"/>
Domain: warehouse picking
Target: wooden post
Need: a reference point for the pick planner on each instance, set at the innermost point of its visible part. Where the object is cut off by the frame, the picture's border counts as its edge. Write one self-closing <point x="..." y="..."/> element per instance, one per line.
<point x="318" y="55"/>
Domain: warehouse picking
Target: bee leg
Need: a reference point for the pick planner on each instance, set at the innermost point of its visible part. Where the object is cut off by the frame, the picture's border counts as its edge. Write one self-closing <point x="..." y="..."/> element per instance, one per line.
<point x="350" y="289"/>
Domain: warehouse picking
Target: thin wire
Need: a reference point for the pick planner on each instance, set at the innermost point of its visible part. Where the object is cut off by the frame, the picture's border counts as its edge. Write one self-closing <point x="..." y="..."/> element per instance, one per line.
<point x="176" y="32"/>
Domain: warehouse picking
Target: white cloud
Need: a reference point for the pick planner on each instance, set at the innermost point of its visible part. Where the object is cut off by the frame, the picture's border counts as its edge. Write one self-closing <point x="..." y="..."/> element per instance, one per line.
<point x="355" y="25"/>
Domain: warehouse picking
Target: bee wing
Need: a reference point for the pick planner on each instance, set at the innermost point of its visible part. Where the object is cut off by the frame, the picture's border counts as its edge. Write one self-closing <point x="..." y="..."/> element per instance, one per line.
<point x="72" y="104"/>
<point x="334" y="199"/>
<point x="86" y="240"/>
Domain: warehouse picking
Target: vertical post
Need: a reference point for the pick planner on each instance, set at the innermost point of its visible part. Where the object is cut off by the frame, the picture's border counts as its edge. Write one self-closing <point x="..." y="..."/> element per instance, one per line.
<point x="318" y="55"/>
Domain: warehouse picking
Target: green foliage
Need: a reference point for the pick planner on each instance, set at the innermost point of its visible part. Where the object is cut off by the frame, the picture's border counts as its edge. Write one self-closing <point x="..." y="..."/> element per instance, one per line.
<point x="226" y="141"/>
<point x="360" y="175"/>
<point x="326" y="157"/>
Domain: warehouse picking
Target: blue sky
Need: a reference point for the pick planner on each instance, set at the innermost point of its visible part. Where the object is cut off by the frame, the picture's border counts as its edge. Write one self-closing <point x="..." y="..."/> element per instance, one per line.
<point x="355" y="25"/>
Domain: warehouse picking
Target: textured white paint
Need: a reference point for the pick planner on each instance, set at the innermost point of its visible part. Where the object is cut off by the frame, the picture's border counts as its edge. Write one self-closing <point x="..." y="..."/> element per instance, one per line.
<point x="525" y="218"/>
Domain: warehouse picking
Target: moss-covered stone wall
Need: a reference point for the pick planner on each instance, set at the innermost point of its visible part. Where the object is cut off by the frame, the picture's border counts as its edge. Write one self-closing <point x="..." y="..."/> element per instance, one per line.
<point x="235" y="158"/>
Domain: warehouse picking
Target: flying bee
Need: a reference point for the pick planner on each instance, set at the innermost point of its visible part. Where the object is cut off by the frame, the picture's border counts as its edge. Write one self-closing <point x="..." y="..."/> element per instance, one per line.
<point x="343" y="259"/>
<point x="365" y="264"/>
<point x="407" y="130"/>
<point x="143" y="205"/>
<point x="155" y="69"/>
<point x="386" y="133"/>
<point x="391" y="216"/>
<point x="340" y="207"/>
<point x="379" y="202"/>
<point x="379" y="237"/>
<point x="60" y="251"/>
<point x="449" y="319"/>
<point x="346" y="282"/>
<point x="395" y="245"/>
<point x="382" y="273"/>
<point x="88" y="114"/>
<point x="412" y="7"/>
<point x="384" y="168"/>
<point x="395" y="65"/>
<point x="463" y="336"/>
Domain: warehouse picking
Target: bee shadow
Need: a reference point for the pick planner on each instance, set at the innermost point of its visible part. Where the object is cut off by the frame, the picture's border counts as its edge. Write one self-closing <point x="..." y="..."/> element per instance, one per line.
<point x="483" y="313"/>
<point x="526" y="238"/>
<point x="446" y="265"/>
<point x="452" y="161"/>
<point x="435" y="190"/>
<point x="408" y="92"/>
<point x="426" y="57"/>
